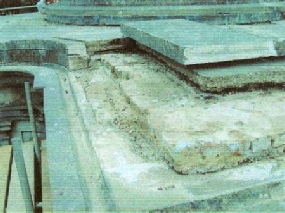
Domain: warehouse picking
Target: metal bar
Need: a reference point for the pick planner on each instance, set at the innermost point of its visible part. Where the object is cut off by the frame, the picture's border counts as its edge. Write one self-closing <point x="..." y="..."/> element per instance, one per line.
<point x="23" y="177"/>
<point x="32" y="121"/>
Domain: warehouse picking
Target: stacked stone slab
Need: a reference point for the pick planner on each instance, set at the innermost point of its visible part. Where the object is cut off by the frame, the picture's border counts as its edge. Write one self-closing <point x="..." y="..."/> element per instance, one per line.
<point x="197" y="51"/>
<point x="116" y="12"/>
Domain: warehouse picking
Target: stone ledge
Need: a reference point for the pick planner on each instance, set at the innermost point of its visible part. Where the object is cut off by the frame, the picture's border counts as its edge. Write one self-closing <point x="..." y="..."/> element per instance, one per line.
<point x="116" y="15"/>
<point x="190" y="43"/>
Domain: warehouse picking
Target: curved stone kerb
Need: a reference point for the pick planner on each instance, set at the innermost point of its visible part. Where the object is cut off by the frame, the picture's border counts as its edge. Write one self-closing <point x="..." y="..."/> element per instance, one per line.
<point x="38" y="52"/>
<point x="89" y="14"/>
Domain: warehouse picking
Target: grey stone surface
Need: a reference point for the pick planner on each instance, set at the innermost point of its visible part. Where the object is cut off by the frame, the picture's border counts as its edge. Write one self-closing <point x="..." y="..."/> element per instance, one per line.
<point x="92" y="14"/>
<point x="156" y="2"/>
<point x="234" y="76"/>
<point x="189" y="42"/>
<point x="240" y="76"/>
<point x="37" y="42"/>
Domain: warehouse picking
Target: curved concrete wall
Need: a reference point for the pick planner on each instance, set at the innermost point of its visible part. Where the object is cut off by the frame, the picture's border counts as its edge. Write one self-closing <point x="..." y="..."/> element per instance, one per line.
<point x="69" y="54"/>
<point x="34" y="52"/>
<point x="111" y="12"/>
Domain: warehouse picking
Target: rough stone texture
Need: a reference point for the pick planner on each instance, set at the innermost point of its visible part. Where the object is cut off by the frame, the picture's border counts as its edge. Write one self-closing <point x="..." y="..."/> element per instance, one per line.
<point x="262" y="74"/>
<point x="66" y="46"/>
<point x="223" y="133"/>
<point x="194" y="43"/>
<point x="89" y="14"/>
<point x="232" y="76"/>
<point x="133" y="172"/>
<point x="104" y="124"/>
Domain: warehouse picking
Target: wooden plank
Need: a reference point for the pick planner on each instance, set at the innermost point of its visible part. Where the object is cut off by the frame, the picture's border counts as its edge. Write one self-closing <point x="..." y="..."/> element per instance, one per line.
<point x="5" y="161"/>
<point x="15" y="199"/>
<point x="46" y="194"/>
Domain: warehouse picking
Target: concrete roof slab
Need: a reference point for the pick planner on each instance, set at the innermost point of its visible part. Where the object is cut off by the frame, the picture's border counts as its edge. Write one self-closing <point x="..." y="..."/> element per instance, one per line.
<point x="190" y="42"/>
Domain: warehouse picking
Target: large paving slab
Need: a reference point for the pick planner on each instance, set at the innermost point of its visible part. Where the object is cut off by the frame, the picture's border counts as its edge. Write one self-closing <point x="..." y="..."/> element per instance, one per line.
<point x="275" y="31"/>
<point x="241" y="76"/>
<point x="190" y="42"/>
<point x="237" y="76"/>
<point x="5" y="159"/>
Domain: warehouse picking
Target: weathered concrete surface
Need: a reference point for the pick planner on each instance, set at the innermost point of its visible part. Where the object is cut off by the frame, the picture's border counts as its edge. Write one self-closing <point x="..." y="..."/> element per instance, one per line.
<point x="66" y="45"/>
<point x="104" y="124"/>
<point x="136" y="174"/>
<point x="156" y="2"/>
<point x="86" y="13"/>
<point x="5" y="159"/>
<point x="232" y="76"/>
<point x="275" y="31"/>
<point x="201" y="137"/>
<point x="194" y="43"/>
<point x="260" y="74"/>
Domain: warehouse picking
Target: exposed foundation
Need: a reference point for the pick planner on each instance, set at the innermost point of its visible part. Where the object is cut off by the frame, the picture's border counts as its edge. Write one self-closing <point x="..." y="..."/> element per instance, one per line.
<point x="126" y="131"/>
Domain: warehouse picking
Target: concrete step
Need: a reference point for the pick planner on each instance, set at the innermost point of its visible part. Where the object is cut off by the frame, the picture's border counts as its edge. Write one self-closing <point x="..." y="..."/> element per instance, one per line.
<point x="189" y="42"/>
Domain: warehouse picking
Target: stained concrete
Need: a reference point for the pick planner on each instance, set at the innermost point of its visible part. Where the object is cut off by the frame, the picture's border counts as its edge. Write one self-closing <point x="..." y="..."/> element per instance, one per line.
<point x="240" y="76"/>
<point x="230" y="76"/>
<point x="194" y="43"/>
<point x="201" y="137"/>
<point x="135" y="168"/>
